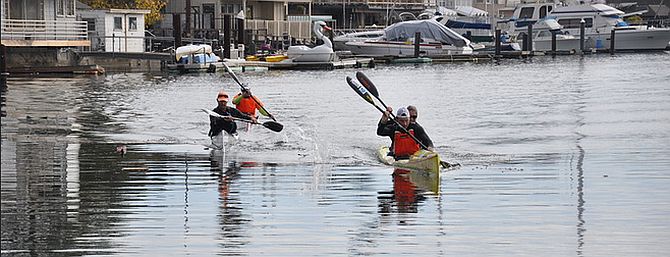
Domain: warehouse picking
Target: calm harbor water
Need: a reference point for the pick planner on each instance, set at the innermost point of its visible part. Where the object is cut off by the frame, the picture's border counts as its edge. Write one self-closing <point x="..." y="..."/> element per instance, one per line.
<point x="560" y="157"/>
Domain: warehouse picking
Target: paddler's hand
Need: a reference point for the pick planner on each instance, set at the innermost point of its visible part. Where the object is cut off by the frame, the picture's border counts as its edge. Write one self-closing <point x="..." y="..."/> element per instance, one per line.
<point x="388" y="112"/>
<point x="228" y="119"/>
<point x="253" y="119"/>
<point x="431" y="149"/>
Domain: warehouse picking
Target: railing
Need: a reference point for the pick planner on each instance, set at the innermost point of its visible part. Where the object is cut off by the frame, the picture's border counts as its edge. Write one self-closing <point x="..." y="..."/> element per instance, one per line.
<point x="377" y="2"/>
<point x="301" y="30"/>
<point x="43" y="30"/>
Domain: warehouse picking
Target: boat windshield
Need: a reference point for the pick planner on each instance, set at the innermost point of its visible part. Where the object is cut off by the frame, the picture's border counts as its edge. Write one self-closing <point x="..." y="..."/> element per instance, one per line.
<point x="429" y="29"/>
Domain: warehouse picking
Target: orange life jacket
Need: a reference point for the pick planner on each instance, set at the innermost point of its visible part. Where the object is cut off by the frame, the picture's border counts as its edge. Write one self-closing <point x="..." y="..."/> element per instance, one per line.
<point x="404" y="145"/>
<point x="247" y="105"/>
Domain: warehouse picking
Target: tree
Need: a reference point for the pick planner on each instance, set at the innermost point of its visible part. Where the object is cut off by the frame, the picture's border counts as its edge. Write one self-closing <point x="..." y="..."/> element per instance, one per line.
<point x="151" y="18"/>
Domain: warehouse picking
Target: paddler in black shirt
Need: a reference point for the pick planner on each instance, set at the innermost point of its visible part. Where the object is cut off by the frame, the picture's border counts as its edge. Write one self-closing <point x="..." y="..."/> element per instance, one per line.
<point x="216" y="124"/>
<point x="402" y="145"/>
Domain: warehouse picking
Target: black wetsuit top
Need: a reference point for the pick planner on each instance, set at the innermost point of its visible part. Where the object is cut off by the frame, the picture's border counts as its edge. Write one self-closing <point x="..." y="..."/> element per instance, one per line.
<point x="216" y="124"/>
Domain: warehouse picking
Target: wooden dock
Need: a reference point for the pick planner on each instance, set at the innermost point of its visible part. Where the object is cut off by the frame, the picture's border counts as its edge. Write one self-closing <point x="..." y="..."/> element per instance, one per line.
<point x="244" y="65"/>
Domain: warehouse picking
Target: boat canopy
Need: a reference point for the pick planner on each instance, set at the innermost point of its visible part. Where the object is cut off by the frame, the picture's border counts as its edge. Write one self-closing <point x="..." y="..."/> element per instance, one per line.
<point x="429" y="29"/>
<point x="547" y="24"/>
<point x="470" y="11"/>
<point x="602" y="9"/>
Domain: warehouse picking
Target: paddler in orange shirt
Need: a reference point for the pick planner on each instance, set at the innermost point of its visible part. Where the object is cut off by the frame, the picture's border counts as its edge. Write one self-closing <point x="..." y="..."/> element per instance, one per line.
<point x="248" y="104"/>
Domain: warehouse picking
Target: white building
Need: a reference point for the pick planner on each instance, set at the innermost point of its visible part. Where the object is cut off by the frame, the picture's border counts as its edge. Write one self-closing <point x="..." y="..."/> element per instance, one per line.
<point x="114" y="30"/>
<point x="41" y="23"/>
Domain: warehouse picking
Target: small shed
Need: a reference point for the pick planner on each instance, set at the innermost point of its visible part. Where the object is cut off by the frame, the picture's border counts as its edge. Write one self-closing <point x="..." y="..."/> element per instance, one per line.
<point x="115" y="30"/>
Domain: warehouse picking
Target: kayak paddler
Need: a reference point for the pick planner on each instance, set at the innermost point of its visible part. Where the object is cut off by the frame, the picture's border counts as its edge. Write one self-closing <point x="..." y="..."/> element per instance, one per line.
<point x="216" y="124"/>
<point x="402" y="145"/>
<point x="244" y="102"/>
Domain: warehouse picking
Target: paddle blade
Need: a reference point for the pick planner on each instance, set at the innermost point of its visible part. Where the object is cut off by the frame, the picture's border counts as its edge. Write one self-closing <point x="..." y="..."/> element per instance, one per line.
<point x="360" y="90"/>
<point x="367" y="83"/>
<point x="274" y="126"/>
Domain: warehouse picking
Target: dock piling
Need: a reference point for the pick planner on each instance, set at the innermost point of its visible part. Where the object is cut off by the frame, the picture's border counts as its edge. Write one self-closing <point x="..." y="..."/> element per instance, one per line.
<point x="553" y="43"/>
<point x="530" y="37"/>
<point x="612" y="41"/>
<point x="176" y="32"/>
<point x="497" y="42"/>
<point x="582" y="28"/>
<point x="226" y="36"/>
<point x="417" y="44"/>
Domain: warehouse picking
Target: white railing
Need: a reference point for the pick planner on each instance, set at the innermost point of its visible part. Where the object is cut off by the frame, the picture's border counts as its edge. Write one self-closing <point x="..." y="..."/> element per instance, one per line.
<point x="43" y="30"/>
<point x="297" y="29"/>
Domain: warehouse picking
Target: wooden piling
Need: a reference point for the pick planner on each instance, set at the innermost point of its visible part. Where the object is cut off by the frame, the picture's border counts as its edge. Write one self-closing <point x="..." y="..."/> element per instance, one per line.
<point x="240" y="33"/>
<point x="498" y="46"/>
<point x="226" y="36"/>
<point x="612" y="42"/>
<point x="553" y="43"/>
<point x="417" y="44"/>
<point x="530" y="37"/>
<point x="176" y="29"/>
<point x="582" y="30"/>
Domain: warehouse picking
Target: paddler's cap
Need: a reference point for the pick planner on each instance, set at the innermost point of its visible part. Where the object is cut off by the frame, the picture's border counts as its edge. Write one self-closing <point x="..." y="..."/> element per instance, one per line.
<point x="246" y="89"/>
<point x="222" y="96"/>
<point x="402" y="113"/>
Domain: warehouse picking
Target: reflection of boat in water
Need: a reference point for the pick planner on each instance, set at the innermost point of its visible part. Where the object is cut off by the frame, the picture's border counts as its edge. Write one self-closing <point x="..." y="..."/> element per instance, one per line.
<point x="222" y="146"/>
<point x="409" y="187"/>
<point x="398" y="41"/>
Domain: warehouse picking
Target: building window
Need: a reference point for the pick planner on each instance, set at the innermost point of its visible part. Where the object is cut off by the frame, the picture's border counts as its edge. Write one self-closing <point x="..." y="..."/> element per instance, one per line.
<point x="118" y="23"/>
<point x="65" y="7"/>
<point x="132" y="23"/>
<point x="90" y="24"/>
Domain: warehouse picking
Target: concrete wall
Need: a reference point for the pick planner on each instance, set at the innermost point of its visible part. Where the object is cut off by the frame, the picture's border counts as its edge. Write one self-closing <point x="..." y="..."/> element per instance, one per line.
<point x="19" y="57"/>
<point x="47" y="57"/>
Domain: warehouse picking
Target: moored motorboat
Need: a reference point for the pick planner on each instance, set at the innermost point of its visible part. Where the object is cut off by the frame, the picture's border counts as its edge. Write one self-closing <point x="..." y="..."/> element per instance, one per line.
<point x="398" y="41"/>
<point x="422" y="160"/>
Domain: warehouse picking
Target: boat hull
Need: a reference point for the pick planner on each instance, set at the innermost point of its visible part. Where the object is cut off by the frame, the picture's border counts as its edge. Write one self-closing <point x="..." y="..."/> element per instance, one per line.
<point x="634" y="39"/>
<point x="562" y="44"/>
<point x="422" y="160"/>
<point x="404" y="49"/>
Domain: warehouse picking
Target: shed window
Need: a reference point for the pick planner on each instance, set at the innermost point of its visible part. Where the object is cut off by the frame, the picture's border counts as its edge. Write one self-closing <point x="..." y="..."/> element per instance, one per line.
<point x="132" y="23"/>
<point x="118" y="23"/>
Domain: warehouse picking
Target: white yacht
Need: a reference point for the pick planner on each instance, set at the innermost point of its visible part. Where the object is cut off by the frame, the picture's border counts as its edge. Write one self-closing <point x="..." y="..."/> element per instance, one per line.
<point x="398" y="41"/>
<point x="602" y="19"/>
<point x="599" y="20"/>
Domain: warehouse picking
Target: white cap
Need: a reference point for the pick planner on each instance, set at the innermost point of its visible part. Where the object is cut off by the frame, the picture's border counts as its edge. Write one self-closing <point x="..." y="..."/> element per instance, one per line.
<point x="402" y="113"/>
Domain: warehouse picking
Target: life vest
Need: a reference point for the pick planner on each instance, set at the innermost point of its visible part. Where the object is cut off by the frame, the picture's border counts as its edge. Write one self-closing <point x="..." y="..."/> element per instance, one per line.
<point x="247" y="105"/>
<point x="404" y="145"/>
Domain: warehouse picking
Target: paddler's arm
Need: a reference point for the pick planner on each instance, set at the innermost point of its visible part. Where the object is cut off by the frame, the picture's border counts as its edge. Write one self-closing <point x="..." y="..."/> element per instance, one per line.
<point x="385" y="130"/>
<point x="422" y="136"/>
<point x="258" y="107"/>
<point x="237" y="98"/>
<point x="238" y="114"/>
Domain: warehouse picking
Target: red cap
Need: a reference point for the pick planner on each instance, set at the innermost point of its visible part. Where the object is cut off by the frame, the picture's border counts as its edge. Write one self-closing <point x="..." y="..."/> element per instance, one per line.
<point x="222" y="96"/>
